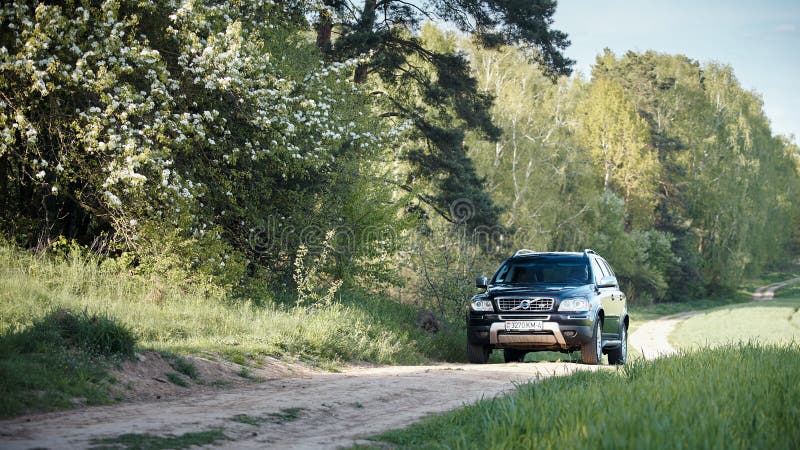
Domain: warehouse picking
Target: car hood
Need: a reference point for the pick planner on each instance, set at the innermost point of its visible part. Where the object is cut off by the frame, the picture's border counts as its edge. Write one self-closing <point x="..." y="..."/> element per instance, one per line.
<point x="556" y="291"/>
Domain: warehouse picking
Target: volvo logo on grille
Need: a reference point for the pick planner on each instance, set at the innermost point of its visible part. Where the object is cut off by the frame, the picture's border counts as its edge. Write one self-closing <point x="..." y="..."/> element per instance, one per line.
<point x="524" y="304"/>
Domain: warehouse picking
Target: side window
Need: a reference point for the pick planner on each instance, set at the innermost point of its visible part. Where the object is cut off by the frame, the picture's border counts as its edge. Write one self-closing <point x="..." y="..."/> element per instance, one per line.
<point x="597" y="271"/>
<point x="607" y="267"/>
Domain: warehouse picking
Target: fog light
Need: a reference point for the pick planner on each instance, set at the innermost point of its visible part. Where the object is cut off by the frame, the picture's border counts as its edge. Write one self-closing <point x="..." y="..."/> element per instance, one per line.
<point x="570" y="333"/>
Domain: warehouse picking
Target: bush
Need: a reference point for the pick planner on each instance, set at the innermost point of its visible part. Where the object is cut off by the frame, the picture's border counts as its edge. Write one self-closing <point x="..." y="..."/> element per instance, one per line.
<point x="92" y="334"/>
<point x="60" y="359"/>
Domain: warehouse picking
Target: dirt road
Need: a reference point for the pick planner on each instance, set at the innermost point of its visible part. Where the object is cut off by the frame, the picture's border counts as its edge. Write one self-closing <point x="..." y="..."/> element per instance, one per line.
<point x="652" y="338"/>
<point x="768" y="292"/>
<point x="311" y="410"/>
<point x="322" y="410"/>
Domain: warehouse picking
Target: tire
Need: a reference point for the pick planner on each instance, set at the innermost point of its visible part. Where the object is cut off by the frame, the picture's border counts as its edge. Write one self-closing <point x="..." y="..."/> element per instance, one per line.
<point x="511" y="355"/>
<point x="592" y="351"/>
<point x="477" y="354"/>
<point x="619" y="355"/>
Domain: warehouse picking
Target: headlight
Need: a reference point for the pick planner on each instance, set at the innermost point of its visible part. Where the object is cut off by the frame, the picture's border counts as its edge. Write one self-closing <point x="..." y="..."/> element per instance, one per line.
<point x="574" y="304"/>
<point x="481" y="304"/>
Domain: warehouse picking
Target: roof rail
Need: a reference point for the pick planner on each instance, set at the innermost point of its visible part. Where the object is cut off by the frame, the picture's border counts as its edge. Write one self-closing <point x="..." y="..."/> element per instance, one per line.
<point x="588" y="250"/>
<point x="524" y="251"/>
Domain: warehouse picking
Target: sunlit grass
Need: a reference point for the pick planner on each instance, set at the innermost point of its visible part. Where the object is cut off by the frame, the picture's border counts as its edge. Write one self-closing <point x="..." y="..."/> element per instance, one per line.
<point x="737" y="397"/>
<point x="773" y="321"/>
<point x="163" y="317"/>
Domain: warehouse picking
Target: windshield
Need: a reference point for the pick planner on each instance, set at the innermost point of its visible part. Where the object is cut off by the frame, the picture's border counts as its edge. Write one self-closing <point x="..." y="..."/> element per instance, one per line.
<point x="543" y="270"/>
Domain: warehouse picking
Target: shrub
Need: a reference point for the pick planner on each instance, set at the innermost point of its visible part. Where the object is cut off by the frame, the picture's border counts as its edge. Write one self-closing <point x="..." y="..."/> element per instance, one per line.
<point x="93" y="334"/>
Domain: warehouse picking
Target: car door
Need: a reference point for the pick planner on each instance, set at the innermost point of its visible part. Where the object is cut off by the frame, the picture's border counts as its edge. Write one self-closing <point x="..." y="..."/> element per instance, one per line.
<point x="604" y="293"/>
<point x="616" y="307"/>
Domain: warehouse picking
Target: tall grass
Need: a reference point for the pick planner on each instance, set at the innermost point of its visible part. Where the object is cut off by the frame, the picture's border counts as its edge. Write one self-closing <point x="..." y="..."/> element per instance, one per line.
<point x="735" y="397"/>
<point x="181" y="319"/>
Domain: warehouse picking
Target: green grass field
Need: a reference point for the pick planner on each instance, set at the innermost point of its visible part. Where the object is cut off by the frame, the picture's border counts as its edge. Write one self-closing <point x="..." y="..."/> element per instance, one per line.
<point x="736" y="397"/>
<point x="775" y="321"/>
<point x="177" y="320"/>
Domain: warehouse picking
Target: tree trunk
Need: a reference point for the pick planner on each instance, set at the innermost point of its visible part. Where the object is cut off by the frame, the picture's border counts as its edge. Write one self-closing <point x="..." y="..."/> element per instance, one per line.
<point x="366" y="24"/>
<point x="324" y="29"/>
<point x="360" y="75"/>
<point x="3" y="183"/>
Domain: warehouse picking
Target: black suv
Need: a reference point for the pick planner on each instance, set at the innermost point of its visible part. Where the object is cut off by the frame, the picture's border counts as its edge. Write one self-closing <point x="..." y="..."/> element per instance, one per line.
<point x="549" y="301"/>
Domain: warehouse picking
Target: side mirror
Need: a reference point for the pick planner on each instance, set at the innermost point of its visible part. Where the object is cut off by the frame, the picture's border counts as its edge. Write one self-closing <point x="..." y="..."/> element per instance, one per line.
<point x="481" y="282"/>
<point x="608" y="281"/>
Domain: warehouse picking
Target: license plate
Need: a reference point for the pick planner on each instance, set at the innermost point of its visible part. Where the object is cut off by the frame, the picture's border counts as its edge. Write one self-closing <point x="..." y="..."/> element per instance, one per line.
<point x="524" y="325"/>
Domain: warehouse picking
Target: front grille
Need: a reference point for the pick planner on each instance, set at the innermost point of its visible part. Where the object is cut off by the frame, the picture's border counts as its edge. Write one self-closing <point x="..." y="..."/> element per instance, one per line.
<point x="525" y="304"/>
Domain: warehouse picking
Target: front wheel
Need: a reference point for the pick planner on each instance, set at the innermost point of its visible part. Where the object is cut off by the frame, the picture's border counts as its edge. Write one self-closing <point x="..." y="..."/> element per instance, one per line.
<point x="619" y="355"/>
<point x="592" y="351"/>
<point x="478" y="354"/>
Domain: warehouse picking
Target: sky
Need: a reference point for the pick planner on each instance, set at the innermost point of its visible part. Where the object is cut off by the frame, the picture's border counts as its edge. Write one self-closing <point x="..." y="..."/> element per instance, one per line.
<point x="759" y="39"/>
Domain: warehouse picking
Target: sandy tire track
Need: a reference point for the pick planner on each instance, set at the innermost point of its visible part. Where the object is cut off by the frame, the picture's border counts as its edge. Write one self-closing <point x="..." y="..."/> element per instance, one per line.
<point x="652" y="338"/>
<point x="338" y="409"/>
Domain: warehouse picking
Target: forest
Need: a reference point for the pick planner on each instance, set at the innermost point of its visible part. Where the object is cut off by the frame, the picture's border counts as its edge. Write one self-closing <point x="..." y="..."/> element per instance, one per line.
<point x="307" y="149"/>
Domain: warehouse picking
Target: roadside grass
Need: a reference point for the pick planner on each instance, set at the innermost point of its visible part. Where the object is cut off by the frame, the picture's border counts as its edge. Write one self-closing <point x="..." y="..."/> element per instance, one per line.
<point x="184" y="366"/>
<point x="59" y="361"/>
<point x="788" y="291"/>
<point x="176" y="320"/>
<point x="247" y="374"/>
<point x="176" y="379"/>
<point x="359" y="327"/>
<point x="738" y="396"/>
<point x="248" y="419"/>
<point x="773" y="321"/>
<point x="643" y="313"/>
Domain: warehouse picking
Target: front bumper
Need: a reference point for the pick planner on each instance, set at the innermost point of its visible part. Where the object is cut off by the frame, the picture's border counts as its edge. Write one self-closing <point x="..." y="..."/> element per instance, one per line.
<point x="559" y="331"/>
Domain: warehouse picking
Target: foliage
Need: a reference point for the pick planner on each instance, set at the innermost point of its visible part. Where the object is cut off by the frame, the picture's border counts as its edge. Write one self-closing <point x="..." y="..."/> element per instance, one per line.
<point x="665" y="167"/>
<point x="619" y="142"/>
<point x="430" y="86"/>
<point x="725" y="178"/>
<point x="447" y="260"/>
<point x="640" y="405"/>
<point x="309" y="279"/>
<point x="149" y="126"/>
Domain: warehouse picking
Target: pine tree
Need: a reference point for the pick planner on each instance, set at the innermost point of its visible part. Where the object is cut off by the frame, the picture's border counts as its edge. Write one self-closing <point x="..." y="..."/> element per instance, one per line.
<point x="431" y="85"/>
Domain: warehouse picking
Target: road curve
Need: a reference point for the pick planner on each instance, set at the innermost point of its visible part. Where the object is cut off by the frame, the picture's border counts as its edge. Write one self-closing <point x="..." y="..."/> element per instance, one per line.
<point x="768" y="292"/>
<point x="335" y="409"/>
<point x="652" y="338"/>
